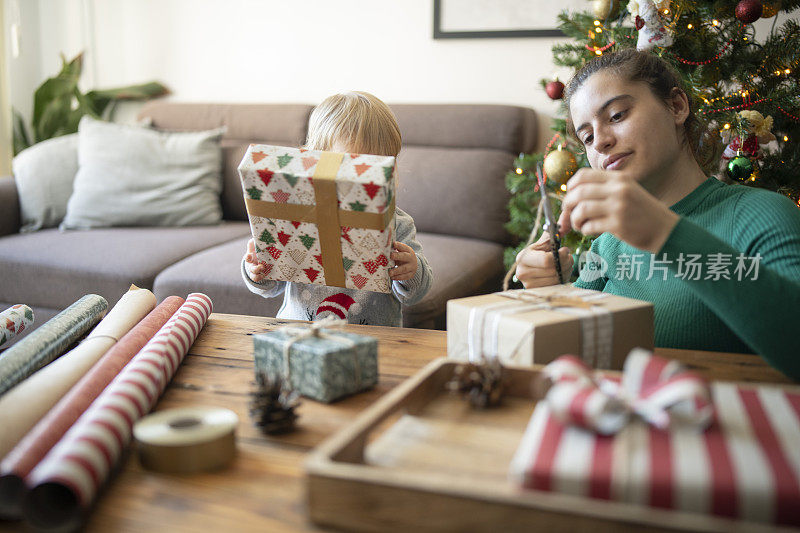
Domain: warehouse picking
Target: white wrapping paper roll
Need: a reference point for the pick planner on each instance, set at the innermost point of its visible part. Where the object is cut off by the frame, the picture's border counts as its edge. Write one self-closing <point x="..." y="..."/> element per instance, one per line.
<point x="27" y="402"/>
<point x="186" y="439"/>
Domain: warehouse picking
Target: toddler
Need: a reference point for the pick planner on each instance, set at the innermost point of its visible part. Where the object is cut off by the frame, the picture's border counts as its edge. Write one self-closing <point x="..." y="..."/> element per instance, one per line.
<point x="353" y="122"/>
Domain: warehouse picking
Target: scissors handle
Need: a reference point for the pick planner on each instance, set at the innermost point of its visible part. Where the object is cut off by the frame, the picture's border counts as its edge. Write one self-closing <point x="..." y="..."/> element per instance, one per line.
<point x="556" y="241"/>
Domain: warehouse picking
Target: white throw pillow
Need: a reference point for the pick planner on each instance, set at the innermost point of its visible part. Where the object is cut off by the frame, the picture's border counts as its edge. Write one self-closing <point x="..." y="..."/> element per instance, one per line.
<point x="134" y="176"/>
<point x="44" y="174"/>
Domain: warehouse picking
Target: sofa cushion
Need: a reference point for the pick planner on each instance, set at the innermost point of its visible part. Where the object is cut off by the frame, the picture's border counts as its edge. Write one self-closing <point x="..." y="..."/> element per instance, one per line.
<point x="217" y="272"/>
<point x="135" y="176"/>
<point x="44" y="174"/>
<point x="455" y="191"/>
<point x="512" y="129"/>
<point x="278" y="124"/>
<point x="460" y="266"/>
<point x="53" y="269"/>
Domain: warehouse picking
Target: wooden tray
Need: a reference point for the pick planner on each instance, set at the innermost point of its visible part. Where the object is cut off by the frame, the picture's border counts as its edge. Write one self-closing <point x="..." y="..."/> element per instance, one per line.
<point x="422" y="458"/>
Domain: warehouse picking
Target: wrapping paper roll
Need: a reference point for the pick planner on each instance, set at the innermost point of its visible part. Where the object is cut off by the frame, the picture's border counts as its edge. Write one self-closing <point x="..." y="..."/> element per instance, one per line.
<point x="14" y="321"/>
<point x="47" y="432"/>
<point x="24" y="404"/>
<point x="50" y="340"/>
<point x="187" y="439"/>
<point x="66" y="482"/>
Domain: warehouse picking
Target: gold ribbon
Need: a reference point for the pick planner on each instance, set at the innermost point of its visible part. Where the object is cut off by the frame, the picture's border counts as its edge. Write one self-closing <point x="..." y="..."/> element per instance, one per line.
<point x="326" y="215"/>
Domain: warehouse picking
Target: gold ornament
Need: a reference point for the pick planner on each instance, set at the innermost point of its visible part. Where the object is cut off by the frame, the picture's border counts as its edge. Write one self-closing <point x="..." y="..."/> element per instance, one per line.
<point x="560" y="165"/>
<point x="604" y="9"/>
<point x="770" y="8"/>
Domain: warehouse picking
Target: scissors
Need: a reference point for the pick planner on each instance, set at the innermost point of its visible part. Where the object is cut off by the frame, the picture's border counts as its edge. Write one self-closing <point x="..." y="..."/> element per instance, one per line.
<point x="551" y="225"/>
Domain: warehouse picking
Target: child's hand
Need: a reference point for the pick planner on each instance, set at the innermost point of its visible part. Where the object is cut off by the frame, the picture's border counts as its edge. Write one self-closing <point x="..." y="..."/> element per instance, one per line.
<point x="405" y="262"/>
<point x="255" y="269"/>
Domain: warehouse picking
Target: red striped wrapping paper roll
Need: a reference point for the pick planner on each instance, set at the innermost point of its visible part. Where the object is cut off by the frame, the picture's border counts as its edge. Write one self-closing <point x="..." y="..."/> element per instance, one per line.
<point x="745" y="465"/>
<point x="66" y="482"/>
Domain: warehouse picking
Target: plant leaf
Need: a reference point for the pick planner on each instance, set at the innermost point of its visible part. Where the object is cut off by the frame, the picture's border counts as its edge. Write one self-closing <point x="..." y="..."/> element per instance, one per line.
<point x="21" y="138"/>
<point x="102" y="97"/>
<point x="60" y="87"/>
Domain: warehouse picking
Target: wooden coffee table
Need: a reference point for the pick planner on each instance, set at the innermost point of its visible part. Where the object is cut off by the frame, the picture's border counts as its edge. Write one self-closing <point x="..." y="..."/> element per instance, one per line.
<point x="264" y="489"/>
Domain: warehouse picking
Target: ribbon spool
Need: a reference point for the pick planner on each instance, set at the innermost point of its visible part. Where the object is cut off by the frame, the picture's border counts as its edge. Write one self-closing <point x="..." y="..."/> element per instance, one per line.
<point x="187" y="439"/>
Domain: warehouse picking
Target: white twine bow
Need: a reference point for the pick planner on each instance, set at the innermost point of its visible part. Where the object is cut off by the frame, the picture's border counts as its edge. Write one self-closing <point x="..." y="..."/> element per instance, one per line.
<point x="659" y="391"/>
<point x="298" y="332"/>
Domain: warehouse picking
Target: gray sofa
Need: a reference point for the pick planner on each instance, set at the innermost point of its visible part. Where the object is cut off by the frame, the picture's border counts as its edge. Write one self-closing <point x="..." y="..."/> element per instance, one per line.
<point x="451" y="180"/>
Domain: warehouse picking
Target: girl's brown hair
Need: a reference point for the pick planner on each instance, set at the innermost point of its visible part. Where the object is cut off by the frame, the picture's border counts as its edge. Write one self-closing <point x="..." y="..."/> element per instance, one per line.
<point x="662" y="79"/>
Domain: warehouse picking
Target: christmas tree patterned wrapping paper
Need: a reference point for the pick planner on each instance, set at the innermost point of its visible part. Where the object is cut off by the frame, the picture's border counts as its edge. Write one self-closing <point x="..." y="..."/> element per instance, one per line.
<point x="321" y="217"/>
<point x="14" y="321"/>
<point x="325" y="367"/>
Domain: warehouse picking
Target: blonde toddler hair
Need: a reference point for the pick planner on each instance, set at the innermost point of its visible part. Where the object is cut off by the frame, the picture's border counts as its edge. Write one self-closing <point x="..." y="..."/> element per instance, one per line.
<point x="357" y="121"/>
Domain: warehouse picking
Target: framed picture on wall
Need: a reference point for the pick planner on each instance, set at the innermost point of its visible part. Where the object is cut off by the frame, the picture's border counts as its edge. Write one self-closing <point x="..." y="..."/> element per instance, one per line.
<point x="470" y="19"/>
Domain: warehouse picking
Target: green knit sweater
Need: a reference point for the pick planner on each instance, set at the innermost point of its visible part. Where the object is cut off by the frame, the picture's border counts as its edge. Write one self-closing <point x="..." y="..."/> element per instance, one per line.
<point x="722" y="227"/>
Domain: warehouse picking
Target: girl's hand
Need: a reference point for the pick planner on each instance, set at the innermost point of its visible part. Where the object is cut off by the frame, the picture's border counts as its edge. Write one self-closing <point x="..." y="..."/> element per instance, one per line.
<point x="257" y="270"/>
<point x="536" y="265"/>
<point x="600" y="201"/>
<point x="405" y="262"/>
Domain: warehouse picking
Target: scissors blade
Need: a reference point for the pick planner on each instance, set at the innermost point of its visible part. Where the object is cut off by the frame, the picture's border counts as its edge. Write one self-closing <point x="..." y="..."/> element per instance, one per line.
<point x="548" y="211"/>
<point x="551" y="226"/>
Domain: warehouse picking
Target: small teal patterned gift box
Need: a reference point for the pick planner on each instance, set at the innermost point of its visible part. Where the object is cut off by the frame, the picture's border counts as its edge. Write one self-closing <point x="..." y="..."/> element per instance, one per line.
<point x="324" y="366"/>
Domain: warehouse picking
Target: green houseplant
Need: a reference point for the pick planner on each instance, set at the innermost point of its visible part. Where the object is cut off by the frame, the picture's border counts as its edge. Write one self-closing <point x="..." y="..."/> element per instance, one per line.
<point x="58" y="104"/>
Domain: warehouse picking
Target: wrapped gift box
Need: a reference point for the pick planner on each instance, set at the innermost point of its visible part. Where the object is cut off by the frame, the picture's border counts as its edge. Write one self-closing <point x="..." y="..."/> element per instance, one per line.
<point x="324" y="367"/>
<point x="745" y="465"/>
<point x="321" y="217"/>
<point x="530" y="326"/>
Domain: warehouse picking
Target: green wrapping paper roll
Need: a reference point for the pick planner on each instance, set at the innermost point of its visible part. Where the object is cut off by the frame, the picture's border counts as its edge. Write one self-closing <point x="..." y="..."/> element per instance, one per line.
<point x="50" y="340"/>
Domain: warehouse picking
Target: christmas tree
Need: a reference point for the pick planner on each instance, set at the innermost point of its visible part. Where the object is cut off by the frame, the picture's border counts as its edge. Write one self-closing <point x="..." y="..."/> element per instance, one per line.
<point x="746" y="88"/>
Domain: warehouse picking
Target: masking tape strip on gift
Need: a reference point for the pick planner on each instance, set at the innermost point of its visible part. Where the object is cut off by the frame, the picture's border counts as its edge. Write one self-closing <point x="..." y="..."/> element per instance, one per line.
<point x="14" y="321"/>
<point x="66" y="482"/>
<point x="49" y="340"/>
<point x="186" y="440"/>
<point x="596" y="323"/>
<point x="24" y="404"/>
<point x="46" y="433"/>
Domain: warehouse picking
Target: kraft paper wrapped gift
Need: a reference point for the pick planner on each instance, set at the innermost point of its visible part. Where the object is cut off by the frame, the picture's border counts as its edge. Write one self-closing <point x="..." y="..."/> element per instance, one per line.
<point x="534" y="326"/>
<point x="323" y="364"/>
<point x="736" y="456"/>
<point x="321" y="217"/>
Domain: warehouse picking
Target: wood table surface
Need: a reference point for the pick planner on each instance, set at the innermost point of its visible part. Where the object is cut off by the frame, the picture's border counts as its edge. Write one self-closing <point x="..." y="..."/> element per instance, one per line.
<point x="264" y="488"/>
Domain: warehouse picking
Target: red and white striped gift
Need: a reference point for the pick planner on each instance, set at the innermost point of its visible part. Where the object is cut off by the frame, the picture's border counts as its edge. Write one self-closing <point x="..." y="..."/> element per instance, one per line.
<point x="745" y="465"/>
<point x="66" y="481"/>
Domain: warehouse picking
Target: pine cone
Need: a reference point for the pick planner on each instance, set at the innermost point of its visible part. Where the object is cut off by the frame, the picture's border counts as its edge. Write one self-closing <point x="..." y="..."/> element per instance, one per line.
<point x="482" y="384"/>
<point x="272" y="405"/>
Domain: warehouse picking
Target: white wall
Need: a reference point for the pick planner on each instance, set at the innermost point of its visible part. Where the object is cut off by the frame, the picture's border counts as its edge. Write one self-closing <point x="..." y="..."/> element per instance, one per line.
<point x="278" y="51"/>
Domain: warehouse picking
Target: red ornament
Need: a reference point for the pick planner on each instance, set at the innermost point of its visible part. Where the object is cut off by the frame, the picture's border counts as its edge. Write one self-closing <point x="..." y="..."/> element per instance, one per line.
<point x="554" y="89"/>
<point x="638" y="22"/>
<point x="749" y="11"/>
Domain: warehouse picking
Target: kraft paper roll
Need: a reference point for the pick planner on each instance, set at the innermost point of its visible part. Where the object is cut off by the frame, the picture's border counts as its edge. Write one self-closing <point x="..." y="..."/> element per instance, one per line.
<point x="14" y="321"/>
<point x="47" y="432"/>
<point x="65" y="483"/>
<point x="50" y="340"/>
<point x="24" y="404"/>
<point x="187" y="439"/>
